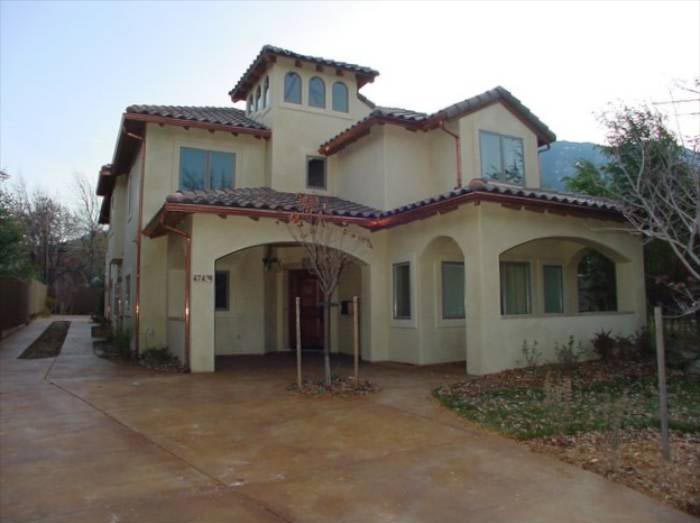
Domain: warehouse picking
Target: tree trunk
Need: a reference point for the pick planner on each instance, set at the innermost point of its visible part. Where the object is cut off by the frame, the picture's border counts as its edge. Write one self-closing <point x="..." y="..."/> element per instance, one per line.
<point x="327" y="338"/>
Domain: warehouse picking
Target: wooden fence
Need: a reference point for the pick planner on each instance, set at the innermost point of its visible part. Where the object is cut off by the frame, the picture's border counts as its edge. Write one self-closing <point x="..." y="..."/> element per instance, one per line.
<point x="20" y="301"/>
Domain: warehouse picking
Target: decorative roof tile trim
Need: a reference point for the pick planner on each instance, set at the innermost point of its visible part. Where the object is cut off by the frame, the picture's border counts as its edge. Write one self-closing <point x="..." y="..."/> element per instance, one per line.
<point x="423" y="121"/>
<point x="266" y="202"/>
<point x="267" y="198"/>
<point x="269" y="53"/>
<point x="222" y="118"/>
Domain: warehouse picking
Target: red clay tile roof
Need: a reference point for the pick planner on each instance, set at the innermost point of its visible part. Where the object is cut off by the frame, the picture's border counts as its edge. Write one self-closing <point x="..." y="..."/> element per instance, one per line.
<point x="268" y="199"/>
<point x="226" y="116"/>
<point x="259" y="65"/>
<point x="425" y="121"/>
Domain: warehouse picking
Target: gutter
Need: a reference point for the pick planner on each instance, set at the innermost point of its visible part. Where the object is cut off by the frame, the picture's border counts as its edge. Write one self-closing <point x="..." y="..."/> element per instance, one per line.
<point x="458" y="153"/>
<point x="137" y="304"/>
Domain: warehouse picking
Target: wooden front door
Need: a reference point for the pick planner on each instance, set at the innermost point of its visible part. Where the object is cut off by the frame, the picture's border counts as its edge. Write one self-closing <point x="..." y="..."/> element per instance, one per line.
<point x="304" y="284"/>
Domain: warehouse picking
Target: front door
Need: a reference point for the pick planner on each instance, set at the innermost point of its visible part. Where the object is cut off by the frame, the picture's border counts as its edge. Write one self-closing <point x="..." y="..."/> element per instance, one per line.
<point x="304" y="284"/>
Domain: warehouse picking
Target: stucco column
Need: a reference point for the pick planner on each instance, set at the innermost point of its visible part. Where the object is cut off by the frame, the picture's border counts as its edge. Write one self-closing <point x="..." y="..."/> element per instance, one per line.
<point x="375" y="304"/>
<point x="201" y="306"/>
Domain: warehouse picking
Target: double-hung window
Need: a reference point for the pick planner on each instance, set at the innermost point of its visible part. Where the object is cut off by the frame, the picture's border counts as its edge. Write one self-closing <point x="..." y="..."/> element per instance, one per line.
<point x="402" y="291"/>
<point x="452" y="290"/>
<point x="553" y="278"/>
<point x="515" y="288"/>
<point x="221" y="290"/>
<point x="502" y="158"/>
<point x="202" y="170"/>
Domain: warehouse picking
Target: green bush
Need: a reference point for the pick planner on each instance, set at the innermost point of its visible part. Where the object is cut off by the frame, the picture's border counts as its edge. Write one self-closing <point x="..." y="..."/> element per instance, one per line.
<point x="159" y="357"/>
<point x="121" y="340"/>
<point x="531" y="355"/>
<point x="568" y="354"/>
<point x="604" y="345"/>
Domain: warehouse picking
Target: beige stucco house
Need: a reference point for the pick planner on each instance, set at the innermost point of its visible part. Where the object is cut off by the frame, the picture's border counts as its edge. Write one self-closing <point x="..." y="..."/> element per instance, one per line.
<point x="469" y="255"/>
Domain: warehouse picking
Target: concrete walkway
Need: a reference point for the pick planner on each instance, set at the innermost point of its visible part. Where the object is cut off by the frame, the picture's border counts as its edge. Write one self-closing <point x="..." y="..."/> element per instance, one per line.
<point x="86" y="440"/>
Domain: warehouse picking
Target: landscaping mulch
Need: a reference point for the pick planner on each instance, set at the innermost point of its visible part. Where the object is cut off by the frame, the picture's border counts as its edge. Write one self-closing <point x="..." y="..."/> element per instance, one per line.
<point x="635" y="460"/>
<point x="600" y="416"/>
<point x="339" y="387"/>
<point x="49" y="343"/>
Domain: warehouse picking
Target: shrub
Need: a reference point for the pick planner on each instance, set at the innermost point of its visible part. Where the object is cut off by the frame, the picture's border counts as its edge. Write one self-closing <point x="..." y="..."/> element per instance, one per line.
<point x="625" y="348"/>
<point x="531" y="355"/>
<point x="644" y="344"/>
<point x="159" y="358"/>
<point x="604" y="345"/>
<point x="569" y="353"/>
<point x="122" y="342"/>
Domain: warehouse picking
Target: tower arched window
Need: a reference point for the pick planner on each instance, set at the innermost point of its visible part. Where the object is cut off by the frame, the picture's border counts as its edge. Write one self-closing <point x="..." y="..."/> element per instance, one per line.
<point x="292" y="88"/>
<point x="340" y="97"/>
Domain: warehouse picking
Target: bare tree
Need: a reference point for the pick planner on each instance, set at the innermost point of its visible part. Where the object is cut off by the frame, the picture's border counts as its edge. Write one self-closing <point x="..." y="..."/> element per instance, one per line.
<point x="657" y="181"/>
<point x="92" y="241"/>
<point x="48" y="225"/>
<point x="328" y="247"/>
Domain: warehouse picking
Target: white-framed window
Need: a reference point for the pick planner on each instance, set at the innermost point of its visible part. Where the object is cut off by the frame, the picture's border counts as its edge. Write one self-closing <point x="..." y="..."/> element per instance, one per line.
<point x="502" y="157"/>
<point x="452" y="275"/>
<point x="258" y="98"/>
<point x="316" y="172"/>
<point x="202" y="170"/>
<point x="516" y="295"/>
<point x="249" y="105"/>
<point x="221" y="290"/>
<point x="553" y="285"/>
<point x="317" y="93"/>
<point x="340" y="97"/>
<point x="402" y="290"/>
<point x="292" y="88"/>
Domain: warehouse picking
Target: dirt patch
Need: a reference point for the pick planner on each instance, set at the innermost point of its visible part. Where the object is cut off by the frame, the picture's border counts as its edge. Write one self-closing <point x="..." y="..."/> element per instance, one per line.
<point x="49" y="344"/>
<point x="338" y="387"/>
<point x="635" y="460"/>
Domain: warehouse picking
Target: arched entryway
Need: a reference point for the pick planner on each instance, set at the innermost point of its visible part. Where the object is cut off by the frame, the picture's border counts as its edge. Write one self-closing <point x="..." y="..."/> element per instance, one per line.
<point x="254" y="303"/>
<point x="441" y="305"/>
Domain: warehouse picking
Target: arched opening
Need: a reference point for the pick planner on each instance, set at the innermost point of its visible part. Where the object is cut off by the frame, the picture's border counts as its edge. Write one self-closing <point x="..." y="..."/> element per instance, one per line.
<point x="340" y="97"/>
<point x="255" y="310"/>
<point x="317" y="93"/>
<point x="550" y="276"/>
<point x="596" y="282"/>
<point x="441" y="307"/>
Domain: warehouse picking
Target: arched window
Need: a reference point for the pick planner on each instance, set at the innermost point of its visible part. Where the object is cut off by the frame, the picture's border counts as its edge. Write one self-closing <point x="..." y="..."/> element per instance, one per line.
<point x="250" y="104"/>
<point x="340" y="97"/>
<point x="317" y="93"/>
<point x="266" y="92"/>
<point x="292" y="88"/>
<point x="258" y="105"/>
<point x="597" y="288"/>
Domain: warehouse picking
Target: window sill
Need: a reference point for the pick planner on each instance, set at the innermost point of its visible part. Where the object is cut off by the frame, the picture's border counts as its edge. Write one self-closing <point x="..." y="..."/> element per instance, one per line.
<point x="446" y="323"/>
<point x="564" y="315"/>
<point x="312" y="110"/>
<point x="407" y="323"/>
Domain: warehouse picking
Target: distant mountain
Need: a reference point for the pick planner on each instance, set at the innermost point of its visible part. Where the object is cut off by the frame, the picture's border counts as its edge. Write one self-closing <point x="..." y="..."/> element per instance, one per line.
<point x="559" y="162"/>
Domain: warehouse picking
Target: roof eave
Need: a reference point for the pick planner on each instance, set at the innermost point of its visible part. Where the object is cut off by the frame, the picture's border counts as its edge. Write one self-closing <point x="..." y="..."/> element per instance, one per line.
<point x="179" y="122"/>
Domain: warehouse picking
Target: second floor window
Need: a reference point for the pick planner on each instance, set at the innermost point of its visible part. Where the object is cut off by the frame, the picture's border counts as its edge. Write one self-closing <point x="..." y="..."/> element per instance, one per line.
<point x="200" y="169"/>
<point x="258" y="101"/>
<point x="340" y="97"/>
<point x="502" y="158"/>
<point x="317" y="93"/>
<point x="316" y="172"/>
<point x="292" y="88"/>
<point x="266" y="92"/>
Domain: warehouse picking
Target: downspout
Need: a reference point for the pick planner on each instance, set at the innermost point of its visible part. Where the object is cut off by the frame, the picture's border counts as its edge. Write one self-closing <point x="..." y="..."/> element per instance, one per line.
<point x="137" y="305"/>
<point x="188" y="277"/>
<point x="458" y="153"/>
<point x="539" y="159"/>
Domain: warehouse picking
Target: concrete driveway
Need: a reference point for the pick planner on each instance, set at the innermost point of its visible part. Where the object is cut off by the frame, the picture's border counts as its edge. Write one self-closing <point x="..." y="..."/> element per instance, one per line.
<point x="86" y="440"/>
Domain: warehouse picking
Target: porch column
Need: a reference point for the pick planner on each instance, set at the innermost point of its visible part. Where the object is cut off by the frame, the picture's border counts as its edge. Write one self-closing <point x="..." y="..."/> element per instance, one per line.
<point x="201" y="306"/>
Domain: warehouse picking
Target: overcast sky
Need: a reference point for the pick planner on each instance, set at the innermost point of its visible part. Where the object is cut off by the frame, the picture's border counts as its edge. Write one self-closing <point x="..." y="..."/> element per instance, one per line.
<point x="68" y="70"/>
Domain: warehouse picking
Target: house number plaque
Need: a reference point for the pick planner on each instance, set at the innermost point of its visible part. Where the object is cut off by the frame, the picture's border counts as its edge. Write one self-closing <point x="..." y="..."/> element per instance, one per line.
<point x="203" y="277"/>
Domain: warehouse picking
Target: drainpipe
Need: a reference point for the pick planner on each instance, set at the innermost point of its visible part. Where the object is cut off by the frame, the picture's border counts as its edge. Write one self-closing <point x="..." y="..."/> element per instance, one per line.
<point x="539" y="158"/>
<point x="188" y="276"/>
<point x="137" y="305"/>
<point x="458" y="153"/>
